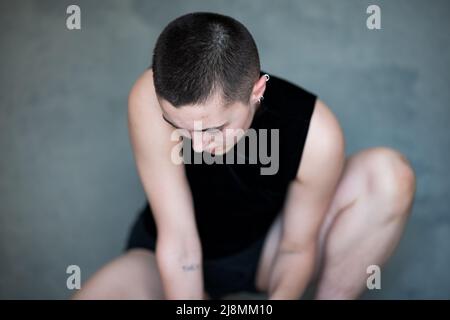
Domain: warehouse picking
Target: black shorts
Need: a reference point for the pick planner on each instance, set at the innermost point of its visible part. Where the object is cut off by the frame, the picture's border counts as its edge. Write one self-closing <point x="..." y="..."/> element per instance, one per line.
<point x="222" y="276"/>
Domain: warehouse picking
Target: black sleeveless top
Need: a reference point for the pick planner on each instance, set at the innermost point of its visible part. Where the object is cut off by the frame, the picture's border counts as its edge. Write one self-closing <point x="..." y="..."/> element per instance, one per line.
<point x="235" y="204"/>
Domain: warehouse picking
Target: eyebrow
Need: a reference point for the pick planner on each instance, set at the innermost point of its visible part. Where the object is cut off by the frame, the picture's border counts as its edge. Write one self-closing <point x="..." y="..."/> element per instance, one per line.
<point x="203" y="130"/>
<point x="172" y="124"/>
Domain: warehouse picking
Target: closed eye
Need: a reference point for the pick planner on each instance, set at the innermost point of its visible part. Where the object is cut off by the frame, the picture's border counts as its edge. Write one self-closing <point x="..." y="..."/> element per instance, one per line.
<point x="214" y="130"/>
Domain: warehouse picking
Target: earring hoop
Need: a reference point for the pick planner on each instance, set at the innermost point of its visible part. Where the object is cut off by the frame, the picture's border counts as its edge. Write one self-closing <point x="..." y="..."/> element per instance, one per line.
<point x="267" y="77"/>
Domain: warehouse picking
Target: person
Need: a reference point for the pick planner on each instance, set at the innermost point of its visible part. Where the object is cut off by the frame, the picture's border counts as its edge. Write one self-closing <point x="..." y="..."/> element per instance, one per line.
<point x="212" y="229"/>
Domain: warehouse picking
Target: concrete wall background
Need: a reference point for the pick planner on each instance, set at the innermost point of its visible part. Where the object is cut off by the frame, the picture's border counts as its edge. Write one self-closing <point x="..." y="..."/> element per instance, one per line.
<point x="68" y="185"/>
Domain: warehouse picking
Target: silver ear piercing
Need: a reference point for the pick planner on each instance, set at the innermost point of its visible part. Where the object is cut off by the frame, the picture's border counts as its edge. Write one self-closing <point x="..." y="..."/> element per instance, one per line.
<point x="260" y="99"/>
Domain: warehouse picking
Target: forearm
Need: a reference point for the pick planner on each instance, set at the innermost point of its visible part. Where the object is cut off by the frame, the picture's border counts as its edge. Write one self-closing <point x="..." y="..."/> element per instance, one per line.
<point x="291" y="273"/>
<point x="181" y="271"/>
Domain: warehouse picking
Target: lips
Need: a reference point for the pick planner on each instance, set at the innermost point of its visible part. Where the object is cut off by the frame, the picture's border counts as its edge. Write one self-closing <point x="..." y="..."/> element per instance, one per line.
<point x="210" y="148"/>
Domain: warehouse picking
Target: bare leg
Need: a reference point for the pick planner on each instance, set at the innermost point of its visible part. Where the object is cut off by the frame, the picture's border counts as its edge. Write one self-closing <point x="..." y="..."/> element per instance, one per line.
<point x="362" y="226"/>
<point x="133" y="275"/>
<point x="366" y="221"/>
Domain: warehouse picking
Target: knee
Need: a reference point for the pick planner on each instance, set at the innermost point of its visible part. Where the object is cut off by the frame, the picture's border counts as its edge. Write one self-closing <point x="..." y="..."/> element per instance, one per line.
<point x="392" y="180"/>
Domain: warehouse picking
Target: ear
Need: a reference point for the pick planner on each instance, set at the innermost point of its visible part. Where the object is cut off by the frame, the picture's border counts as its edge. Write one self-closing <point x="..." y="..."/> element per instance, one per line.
<point x="259" y="88"/>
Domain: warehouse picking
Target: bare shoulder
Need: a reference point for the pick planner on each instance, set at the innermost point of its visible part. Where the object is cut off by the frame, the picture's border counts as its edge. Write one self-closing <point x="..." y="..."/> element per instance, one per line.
<point x="142" y="94"/>
<point x="144" y="113"/>
<point x="149" y="134"/>
<point x="324" y="149"/>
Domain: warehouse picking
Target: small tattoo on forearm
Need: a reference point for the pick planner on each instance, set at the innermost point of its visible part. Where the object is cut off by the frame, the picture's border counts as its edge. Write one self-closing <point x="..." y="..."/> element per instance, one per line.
<point x="191" y="267"/>
<point x="287" y="251"/>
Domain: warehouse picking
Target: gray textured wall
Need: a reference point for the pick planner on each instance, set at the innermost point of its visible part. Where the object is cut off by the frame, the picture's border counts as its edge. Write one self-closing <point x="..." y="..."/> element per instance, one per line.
<point x="68" y="185"/>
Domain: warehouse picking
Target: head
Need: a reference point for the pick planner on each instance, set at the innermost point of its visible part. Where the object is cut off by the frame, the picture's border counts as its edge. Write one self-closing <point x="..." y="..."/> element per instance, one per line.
<point x="206" y="73"/>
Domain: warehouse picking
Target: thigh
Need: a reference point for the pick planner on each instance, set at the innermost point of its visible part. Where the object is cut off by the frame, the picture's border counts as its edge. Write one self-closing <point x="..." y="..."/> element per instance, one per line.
<point x="351" y="184"/>
<point x="133" y="275"/>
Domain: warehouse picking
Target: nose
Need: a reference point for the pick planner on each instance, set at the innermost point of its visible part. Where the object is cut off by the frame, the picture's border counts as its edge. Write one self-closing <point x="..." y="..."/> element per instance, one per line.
<point x="197" y="144"/>
<point x="200" y="141"/>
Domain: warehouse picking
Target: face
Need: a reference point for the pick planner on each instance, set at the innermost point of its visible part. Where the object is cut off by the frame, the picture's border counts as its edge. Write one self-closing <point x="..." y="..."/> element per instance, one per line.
<point x="213" y="127"/>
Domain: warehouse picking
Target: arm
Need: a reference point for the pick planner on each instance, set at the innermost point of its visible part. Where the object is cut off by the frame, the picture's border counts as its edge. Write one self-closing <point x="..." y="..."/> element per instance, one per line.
<point x="178" y="248"/>
<point x="308" y="199"/>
